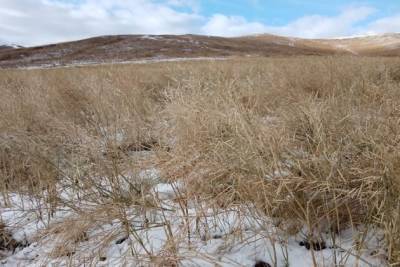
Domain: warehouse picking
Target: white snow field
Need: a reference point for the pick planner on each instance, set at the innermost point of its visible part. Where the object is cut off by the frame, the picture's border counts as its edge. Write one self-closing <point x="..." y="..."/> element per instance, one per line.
<point x="170" y="233"/>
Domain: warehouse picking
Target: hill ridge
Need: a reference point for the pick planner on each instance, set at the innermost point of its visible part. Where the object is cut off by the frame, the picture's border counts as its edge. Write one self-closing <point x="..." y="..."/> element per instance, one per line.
<point x="122" y="48"/>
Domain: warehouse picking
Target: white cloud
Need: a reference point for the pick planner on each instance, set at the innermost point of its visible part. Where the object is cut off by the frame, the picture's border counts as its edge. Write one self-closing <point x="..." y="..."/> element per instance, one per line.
<point x="192" y="4"/>
<point x="385" y="25"/>
<point x="344" y="24"/>
<point x="231" y="26"/>
<point x="34" y="22"/>
<point x="314" y="26"/>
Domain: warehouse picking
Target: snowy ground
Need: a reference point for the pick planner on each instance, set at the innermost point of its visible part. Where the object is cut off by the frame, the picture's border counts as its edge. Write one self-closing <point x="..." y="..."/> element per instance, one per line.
<point x="57" y="65"/>
<point x="168" y="233"/>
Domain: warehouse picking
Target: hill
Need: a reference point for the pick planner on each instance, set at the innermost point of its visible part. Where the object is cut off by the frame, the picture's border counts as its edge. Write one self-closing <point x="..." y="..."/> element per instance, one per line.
<point x="126" y="48"/>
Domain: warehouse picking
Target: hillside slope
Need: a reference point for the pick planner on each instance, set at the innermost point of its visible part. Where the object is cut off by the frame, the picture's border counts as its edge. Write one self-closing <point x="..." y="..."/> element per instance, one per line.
<point x="123" y="48"/>
<point x="137" y="47"/>
<point x="376" y="45"/>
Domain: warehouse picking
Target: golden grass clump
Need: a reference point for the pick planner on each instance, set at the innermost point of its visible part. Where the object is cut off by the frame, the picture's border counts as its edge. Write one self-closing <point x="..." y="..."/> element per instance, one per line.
<point x="324" y="148"/>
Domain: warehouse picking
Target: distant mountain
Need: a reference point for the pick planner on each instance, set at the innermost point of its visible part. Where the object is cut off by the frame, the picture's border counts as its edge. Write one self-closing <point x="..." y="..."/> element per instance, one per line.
<point x="373" y="45"/>
<point x="378" y="45"/>
<point x="4" y="46"/>
<point x="123" y="48"/>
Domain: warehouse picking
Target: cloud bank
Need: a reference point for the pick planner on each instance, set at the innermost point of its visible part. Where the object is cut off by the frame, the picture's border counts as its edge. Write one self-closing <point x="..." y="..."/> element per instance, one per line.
<point x="35" y="22"/>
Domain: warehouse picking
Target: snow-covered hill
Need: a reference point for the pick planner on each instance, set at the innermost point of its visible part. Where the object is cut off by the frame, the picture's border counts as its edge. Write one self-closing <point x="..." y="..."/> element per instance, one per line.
<point x="9" y="46"/>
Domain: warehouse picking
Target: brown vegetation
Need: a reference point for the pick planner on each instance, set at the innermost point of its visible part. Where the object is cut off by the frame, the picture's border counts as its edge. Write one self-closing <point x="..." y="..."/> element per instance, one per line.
<point x="310" y="140"/>
<point x="122" y="48"/>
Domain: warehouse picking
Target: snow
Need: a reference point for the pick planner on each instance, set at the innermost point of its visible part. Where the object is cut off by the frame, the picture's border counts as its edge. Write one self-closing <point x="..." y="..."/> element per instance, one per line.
<point x="144" y="61"/>
<point x="355" y="36"/>
<point x="150" y="174"/>
<point x="165" y="191"/>
<point x="197" y="234"/>
<point x="10" y="45"/>
<point x="149" y="37"/>
<point x="366" y="35"/>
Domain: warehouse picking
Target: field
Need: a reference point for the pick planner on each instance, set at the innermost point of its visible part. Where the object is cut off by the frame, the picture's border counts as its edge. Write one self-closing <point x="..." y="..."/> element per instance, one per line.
<point x="242" y="162"/>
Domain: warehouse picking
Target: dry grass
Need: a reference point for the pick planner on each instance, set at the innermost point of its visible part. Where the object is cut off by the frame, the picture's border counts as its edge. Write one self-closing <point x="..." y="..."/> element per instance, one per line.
<point x="6" y="240"/>
<point x="311" y="140"/>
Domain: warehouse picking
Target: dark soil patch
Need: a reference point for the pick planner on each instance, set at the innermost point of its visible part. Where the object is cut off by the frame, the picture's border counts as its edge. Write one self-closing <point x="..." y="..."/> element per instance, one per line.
<point x="7" y="242"/>
<point x="262" y="264"/>
<point x="315" y="245"/>
<point x="121" y="240"/>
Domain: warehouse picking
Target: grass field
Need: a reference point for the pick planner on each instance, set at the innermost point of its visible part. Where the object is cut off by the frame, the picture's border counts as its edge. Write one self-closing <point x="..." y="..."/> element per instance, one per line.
<point x="301" y="149"/>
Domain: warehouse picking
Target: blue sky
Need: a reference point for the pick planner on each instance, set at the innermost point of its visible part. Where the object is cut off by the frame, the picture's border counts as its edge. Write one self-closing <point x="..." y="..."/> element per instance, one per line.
<point x="34" y="22"/>
<point x="278" y="12"/>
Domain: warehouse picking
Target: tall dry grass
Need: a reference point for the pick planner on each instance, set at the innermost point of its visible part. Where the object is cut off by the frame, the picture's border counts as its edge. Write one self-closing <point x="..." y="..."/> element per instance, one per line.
<point x="309" y="141"/>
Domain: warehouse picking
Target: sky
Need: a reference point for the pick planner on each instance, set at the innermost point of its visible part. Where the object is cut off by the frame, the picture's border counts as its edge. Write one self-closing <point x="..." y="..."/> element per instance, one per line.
<point x="37" y="22"/>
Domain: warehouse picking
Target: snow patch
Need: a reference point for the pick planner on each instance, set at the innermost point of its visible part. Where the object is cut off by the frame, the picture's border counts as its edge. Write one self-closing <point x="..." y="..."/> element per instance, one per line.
<point x="195" y="233"/>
